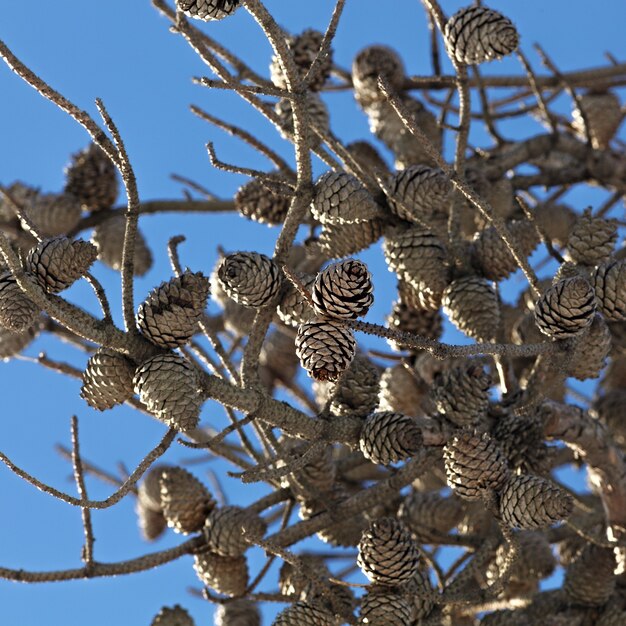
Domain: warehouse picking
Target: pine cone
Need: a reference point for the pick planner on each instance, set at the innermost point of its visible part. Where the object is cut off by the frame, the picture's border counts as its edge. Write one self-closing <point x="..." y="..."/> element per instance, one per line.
<point x="24" y="195"/>
<point x="318" y="116"/>
<point x="358" y="390"/>
<point x="589" y="580"/>
<point x="17" y="311"/>
<point x="207" y="10"/>
<point x="228" y="530"/>
<point x="421" y="194"/>
<point x="591" y="350"/>
<point x="109" y="239"/>
<point x="169" y="316"/>
<point x="170" y="389"/>
<point x="250" y="278"/>
<point x="477" y="34"/>
<point x="381" y="606"/>
<point x="175" y="616"/>
<point x="474" y="464"/>
<point x="305" y="48"/>
<point x="430" y="515"/>
<point x="612" y="615"/>
<point x="609" y="283"/>
<point x="294" y="308"/>
<point x="389" y="437"/>
<point x="91" y="178"/>
<point x="107" y="380"/>
<point x="343" y="290"/>
<point x="556" y="221"/>
<point x="604" y="116"/>
<point x="340" y="240"/>
<point x="388" y="555"/>
<point x="472" y="305"/>
<point x="566" y="309"/>
<point x="53" y="214"/>
<point x="256" y="202"/>
<point x="340" y="198"/>
<point x="185" y="501"/>
<point x="462" y="394"/>
<point x="422" y="322"/>
<point x="238" y="613"/>
<point x="152" y="524"/>
<point x="303" y="614"/>
<point x="325" y="349"/>
<point x="57" y="263"/>
<point x="293" y="580"/>
<point x="371" y="63"/>
<point x="367" y="156"/>
<point x="401" y="391"/>
<point x="225" y="574"/>
<point x="12" y="343"/>
<point x="316" y="477"/>
<point x="531" y="502"/>
<point x="149" y="489"/>
<point x="609" y="408"/>
<point x="278" y="360"/>
<point x="592" y="239"/>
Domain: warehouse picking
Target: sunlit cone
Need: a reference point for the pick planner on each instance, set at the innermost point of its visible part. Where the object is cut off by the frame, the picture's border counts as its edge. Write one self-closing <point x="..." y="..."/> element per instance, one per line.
<point x="12" y="343"/>
<point x="371" y="63"/>
<point x="303" y="614"/>
<point x="91" y="178"/>
<point x="294" y="308"/>
<point x="228" y="530"/>
<point x="422" y="322"/>
<point x="591" y="351"/>
<point x="170" y="389"/>
<point x="169" y="316"/>
<point x="53" y="214"/>
<point x="609" y="284"/>
<point x="224" y="574"/>
<point x="238" y="613"/>
<point x="604" y="115"/>
<point x="17" y="311"/>
<point x="401" y="391"/>
<point x="174" y="616"/>
<point x="589" y="579"/>
<point x="318" y="117"/>
<point x="208" y="9"/>
<point x="340" y="240"/>
<point x="358" y="391"/>
<point x="293" y="580"/>
<point x="152" y="524"/>
<point x="430" y="515"/>
<point x="566" y="309"/>
<point x="317" y="476"/>
<point x="531" y="502"/>
<point x="477" y="34"/>
<point x="149" y="489"/>
<point x="474" y="464"/>
<point x="367" y="156"/>
<point x="592" y="239"/>
<point x="389" y="437"/>
<point x="256" y="202"/>
<point x="107" y="380"/>
<point x="381" y="606"/>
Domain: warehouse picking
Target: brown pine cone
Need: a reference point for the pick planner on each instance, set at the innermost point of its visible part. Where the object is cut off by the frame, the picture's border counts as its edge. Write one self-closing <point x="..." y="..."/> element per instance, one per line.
<point x="250" y="278"/>
<point x="358" y="390"/>
<point x="592" y="348"/>
<point x="185" y="501"/>
<point x="589" y="579"/>
<point x="556" y="221"/>
<point x="278" y="360"/>
<point x="303" y="614"/>
<point x="604" y="116"/>
<point x="316" y="477"/>
<point x="169" y="316"/>
<point x="238" y="613"/>
<point x="107" y="380"/>
<point x="17" y="311"/>
<point x="401" y="391"/>
<point x="381" y="606"/>
<point x="592" y="239"/>
<point x="228" y="530"/>
<point x="430" y="515"/>
<point x="12" y="343"/>
<point x="24" y="195"/>
<point x="423" y="322"/>
<point x="293" y="580"/>
<point x="367" y="157"/>
<point x="53" y="214"/>
<point x="343" y="290"/>
<point x="152" y="524"/>
<point x="175" y="616"/>
<point x="318" y="116"/>
<point x="170" y="389"/>
<point x="609" y="283"/>
<point x="149" y="489"/>
<point x="325" y="349"/>
<point x="207" y="10"/>
<point x="294" y="308"/>
<point x="57" y="263"/>
<point x="477" y="34"/>
<point x="474" y="464"/>
<point x="341" y="199"/>
<point x="340" y="240"/>
<point x="371" y="63"/>
<point x="389" y="437"/>
<point x="388" y="554"/>
<point x="256" y="202"/>
<point x="531" y="502"/>
<point x="472" y="305"/>
<point x="92" y="179"/>
<point x="566" y="309"/>
<point x="609" y="408"/>
<point x="462" y="394"/>
<point x="224" y="574"/>
<point x="612" y="615"/>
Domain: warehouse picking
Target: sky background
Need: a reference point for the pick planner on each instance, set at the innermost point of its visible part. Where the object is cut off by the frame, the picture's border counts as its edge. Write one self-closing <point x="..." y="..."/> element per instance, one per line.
<point x="122" y="52"/>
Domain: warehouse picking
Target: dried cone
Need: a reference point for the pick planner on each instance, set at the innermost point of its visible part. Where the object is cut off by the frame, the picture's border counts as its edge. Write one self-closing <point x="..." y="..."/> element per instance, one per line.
<point x="317" y="476"/>
<point x="421" y="322"/>
<point x="53" y="214"/>
<point x="238" y="613"/>
<point x="340" y="240"/>
<point x="389" y="437"/>
<point x="303" y="614"/>
<point x="24" y="195"/>
<point x="556" y="221"/>
<point x="367" y="156"/>
<point x="343" y="290"/>
<point x="609" y="284"/>
<point x="149" y="490"/>
<point x="477" y="34"/>
<point x="388" y="554"/>
<point x="294" y="309"/>
<point x="325" y="349"/>
<point x="472" y="305"/>
<point x="17" y="311"/>
<point x="228" y="530"/>
<point x="250" y="278"/>
<point x="370" y="64"/>
<point x="401" y="391"/>
<point x="12" y="343"/>
<point x="531" y="502"/>
<point x="566" y="309"/>
<point x="604" y="116"/>
<point x="305" y="48"/>
<point x="474" y="464"/>
<point x="175" y="616"/>
<point x="340" y="198"/>
<point x="91" y="178"/>
<point x="591" y="351"/>
<point x="170" y="389"/>
<point x="462" y="394"/>
<point x="208" y="10"/>
<point x="430" y="515"/>
<point x="109" y="239"/>
<point x="278" y="360"/>
<point x="256" y="202"/>
<point x="590" y="580"/>
<point x="169" y="316"/>
<point x="293" y="580"/>
<point x="318" y="117"/>
<point x="57" y="263"/>
<point x="381" y="606"/>
<point x="152" y="524"/>
<point x="592" y="239"/>
<point x="358" y="390"/>
<point x="609" y="409"/>
<point x="107" y="380"/>
<point x="185" y="501"/>
<point x="224" y="574"/>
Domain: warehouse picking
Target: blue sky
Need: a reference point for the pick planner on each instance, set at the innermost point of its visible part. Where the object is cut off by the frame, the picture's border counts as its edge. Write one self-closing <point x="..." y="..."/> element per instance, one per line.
<point x="122" y="52"/>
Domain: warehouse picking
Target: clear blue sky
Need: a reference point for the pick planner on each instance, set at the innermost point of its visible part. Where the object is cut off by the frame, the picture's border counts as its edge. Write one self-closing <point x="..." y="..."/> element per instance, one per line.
<point x="122" y="52"/>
